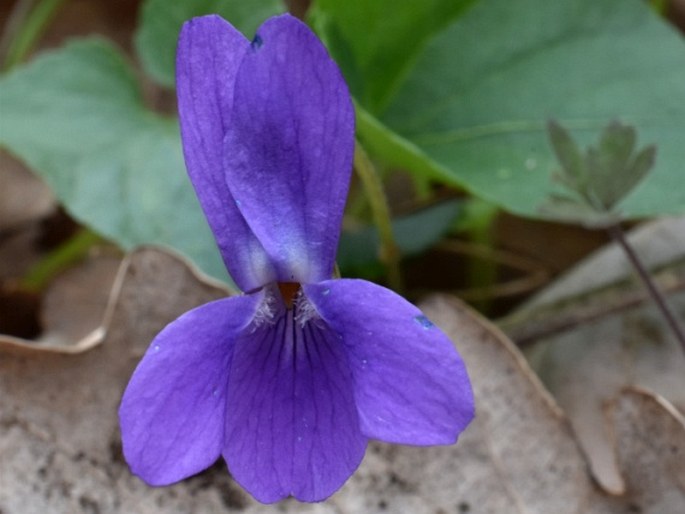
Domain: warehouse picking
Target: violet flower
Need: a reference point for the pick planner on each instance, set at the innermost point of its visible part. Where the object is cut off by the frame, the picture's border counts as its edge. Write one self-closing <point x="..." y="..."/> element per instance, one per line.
<point x="288" y="381"/>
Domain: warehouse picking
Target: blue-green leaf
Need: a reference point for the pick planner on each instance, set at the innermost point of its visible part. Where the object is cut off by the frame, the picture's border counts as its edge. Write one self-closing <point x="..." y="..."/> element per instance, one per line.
<point x="76" y="117"/>
<point x="473" y="109"/>
<point x="376" y="41"/>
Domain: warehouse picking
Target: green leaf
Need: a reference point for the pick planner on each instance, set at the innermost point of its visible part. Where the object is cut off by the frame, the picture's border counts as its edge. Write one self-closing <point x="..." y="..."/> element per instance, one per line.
<point x="637" y="170"/>
<point x="609" y="163"/>
<point x="476" y="102"/>
<point x="569" y="155"/>
<point x="76" y="117"/>
<point x="358" y="252"/>
<point x="161" y="21"/>
<point x="376" y="41"/>
<point x="609" y="170"/>
<point x="393" y="149"/>
<point x="616" y="144"/>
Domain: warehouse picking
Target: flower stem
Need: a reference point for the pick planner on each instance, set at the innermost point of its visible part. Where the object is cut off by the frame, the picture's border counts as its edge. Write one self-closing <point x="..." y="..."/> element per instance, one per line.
<point x="373" y="188"/>
<point x="618" y="235"/>
<point x="25" y="26"/>
<point x="59" y="259"/>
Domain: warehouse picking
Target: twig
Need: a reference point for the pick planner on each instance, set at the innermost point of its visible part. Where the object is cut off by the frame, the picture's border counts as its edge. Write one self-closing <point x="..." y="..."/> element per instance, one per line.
<point x="373" y="188"/>
<point x="528" y="327"/>
<point x="618" y="235"/>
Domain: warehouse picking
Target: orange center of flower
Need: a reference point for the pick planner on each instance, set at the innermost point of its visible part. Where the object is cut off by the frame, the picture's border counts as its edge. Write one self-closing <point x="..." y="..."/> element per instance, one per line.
<point x="289" y="292"/>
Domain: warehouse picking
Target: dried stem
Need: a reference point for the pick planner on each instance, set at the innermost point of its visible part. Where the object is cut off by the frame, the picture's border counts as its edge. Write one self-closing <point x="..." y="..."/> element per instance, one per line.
<point x="618" y="235"/>
<point x="373" y="188"/>
<point x="529" y="327"/>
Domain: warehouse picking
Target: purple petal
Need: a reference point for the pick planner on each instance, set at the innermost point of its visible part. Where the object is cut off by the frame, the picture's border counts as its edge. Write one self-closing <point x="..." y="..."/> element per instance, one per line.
<point x="209" y="53"/>
<point x="172" y="412"/>
<point x="291" y="424"/>
<point x="289" y="148"/>
<point x="411" y="386"/>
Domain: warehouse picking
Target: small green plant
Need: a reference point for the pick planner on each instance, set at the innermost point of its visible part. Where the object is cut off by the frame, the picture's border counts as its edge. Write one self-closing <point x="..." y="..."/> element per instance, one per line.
<point x="595" y="182"/>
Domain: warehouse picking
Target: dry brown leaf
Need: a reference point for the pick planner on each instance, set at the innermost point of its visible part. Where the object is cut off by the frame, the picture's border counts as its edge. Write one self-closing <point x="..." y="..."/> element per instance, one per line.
<point x="60" y="448"/>
<point x="649" y="436"/>
<point x="78" y="305"/>
<point x="74" y="308"/>
<point x="587" y="366"/>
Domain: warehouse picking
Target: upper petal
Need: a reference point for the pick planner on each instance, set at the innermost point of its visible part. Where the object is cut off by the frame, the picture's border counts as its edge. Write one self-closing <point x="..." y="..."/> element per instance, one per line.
<point x="209" y="53"/>
<point x="289" y="148"/>
<point x="172" y="412"/>
<point x="291" y="423"/>
<point x="411" y="386"/>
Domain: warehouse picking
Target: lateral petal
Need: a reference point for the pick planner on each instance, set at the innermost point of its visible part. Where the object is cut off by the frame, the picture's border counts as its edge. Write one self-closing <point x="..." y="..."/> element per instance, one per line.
<point x="172" y="412"/>
<point x="411" y="385"/>
<point x="289" y="148"/>
<point x="291" y="423"/>
<point x="209" y="53"/>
